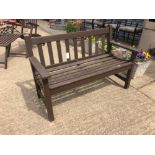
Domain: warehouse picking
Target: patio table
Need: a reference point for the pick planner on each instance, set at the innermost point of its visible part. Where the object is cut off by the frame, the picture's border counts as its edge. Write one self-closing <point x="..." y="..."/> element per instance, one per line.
<point x="5" y="41"/>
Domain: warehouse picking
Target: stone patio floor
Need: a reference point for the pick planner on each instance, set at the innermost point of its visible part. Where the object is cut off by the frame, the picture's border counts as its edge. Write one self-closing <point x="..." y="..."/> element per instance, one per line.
<point x="101" y="107"/>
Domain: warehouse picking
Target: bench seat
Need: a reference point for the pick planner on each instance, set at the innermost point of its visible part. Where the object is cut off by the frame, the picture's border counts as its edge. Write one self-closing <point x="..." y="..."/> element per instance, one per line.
<point x="80" y="72"/>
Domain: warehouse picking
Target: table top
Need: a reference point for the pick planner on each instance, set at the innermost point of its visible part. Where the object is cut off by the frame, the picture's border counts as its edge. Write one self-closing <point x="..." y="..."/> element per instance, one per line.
<point x="6" y="39"/>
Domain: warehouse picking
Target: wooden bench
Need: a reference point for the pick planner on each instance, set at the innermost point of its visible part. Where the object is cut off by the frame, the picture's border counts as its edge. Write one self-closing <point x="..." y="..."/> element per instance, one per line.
<point x="69" y="72"/>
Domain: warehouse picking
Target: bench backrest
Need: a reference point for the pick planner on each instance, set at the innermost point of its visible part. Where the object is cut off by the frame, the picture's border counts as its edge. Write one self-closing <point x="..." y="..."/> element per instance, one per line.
<point x="65" y="46"/>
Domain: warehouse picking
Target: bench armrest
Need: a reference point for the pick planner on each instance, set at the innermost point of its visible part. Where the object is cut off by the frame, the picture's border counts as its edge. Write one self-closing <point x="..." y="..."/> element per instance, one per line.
<point x="39" y="68"/>
<point x="134" y="50"/>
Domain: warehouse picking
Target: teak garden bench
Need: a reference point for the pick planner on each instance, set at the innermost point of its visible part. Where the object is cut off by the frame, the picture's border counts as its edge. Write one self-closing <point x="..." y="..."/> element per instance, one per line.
<point x="68" y="73"/>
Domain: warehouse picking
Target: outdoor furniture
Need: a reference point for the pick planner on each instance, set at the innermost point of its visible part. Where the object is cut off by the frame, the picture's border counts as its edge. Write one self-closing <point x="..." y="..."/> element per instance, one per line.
<point x="99" y="23"/>
<point x="131" y="27"/>
<point x="30" y="24"/>
<point x="115" y="24"/>
<point x="89" y="23"/>
<point x="93" y="23"/>
<point x="5" y="41"/>
<point x="69" y="73"/>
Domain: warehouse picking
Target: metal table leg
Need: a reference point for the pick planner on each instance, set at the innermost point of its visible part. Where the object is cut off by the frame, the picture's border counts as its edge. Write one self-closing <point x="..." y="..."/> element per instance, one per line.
<point x="7" y="52"/>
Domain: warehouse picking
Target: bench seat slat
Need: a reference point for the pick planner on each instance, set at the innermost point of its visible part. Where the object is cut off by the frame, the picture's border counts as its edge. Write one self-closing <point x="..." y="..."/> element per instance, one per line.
<point x="65" y="78"/>
<point x="74" y="63"/>
<point x="90" y="64"/>
<point x="56" y="88"/>
<point x="83" y="71"/>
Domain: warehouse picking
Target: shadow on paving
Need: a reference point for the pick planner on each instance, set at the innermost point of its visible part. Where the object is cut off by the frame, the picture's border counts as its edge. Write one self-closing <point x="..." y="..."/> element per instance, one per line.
<point x="36" y="105"/>
<point x="19" y="49"/>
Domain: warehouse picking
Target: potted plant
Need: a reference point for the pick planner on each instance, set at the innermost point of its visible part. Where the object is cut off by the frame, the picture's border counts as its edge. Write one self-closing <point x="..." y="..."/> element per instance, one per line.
<point x="72" y="26"/>
<point x="142" y="62"/>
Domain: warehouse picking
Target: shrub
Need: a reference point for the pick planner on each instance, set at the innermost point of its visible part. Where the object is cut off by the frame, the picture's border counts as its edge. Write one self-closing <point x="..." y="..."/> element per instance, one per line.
<point x="72" y="27"/>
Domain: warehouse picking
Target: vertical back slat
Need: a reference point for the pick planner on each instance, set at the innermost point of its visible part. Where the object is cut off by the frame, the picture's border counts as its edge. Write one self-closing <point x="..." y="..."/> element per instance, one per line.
<point x="109" y="38"/>
<point x="59" y="51"/>
<point x="96" y="45"/>
<point x="67" y="49"/>
<point x="83" y="47"/>
<point x="41" y="55"/>
<point x="103" y="42"/>
<point x="50" y="51"/>
<point x="75" y="48"/>
<point x="90" y="46"/>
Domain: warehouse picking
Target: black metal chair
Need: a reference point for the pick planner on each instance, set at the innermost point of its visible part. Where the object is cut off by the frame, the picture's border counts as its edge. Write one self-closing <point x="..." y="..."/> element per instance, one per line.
<point x="30" y="24"/>
<point x="98" y="23"/>
<point x="114" y="23"/>
<point x="7" y="36"/>
<point x="88" y="23"/>
<point x="131" y="27"/>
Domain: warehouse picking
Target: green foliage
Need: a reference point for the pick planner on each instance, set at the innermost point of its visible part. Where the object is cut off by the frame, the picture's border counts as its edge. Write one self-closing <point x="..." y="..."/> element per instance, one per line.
<point x="72" y="27"/>
<point x="104" y="47"/>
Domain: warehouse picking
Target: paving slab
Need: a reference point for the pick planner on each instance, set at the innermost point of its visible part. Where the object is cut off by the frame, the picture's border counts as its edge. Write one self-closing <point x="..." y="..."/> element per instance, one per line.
<point x="141" y="81"/>
<point x="149" y="90"/>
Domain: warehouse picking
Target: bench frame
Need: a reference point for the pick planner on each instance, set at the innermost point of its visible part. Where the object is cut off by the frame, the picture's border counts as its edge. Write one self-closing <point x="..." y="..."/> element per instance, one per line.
<point x="39" y="69"/>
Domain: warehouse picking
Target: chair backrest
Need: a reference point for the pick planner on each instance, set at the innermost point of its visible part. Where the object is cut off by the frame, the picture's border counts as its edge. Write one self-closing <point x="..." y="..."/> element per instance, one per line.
<point x="25" y="23"/>
<point x="31" y="25"/>
<point x="62" y="48"/>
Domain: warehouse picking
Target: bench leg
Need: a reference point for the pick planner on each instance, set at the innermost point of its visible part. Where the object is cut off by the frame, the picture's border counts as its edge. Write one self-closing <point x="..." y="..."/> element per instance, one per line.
<point x="47" y="96"/>
<point x="38" y="89"/>
<point x="47" y="100"/>
<point x="128" y="79"/>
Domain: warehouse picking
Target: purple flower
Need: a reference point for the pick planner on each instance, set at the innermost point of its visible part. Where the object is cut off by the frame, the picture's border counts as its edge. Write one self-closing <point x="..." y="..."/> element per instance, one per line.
<point x="141" y="56"/>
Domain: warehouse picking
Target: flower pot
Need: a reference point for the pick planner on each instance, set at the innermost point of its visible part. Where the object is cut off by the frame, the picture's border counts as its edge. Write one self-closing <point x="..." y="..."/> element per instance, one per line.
<point x="140" y="68"/>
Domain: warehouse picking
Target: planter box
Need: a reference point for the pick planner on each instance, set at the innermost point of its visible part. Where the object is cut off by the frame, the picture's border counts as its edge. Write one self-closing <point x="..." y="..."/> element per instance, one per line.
<point x="140" y="68"/>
